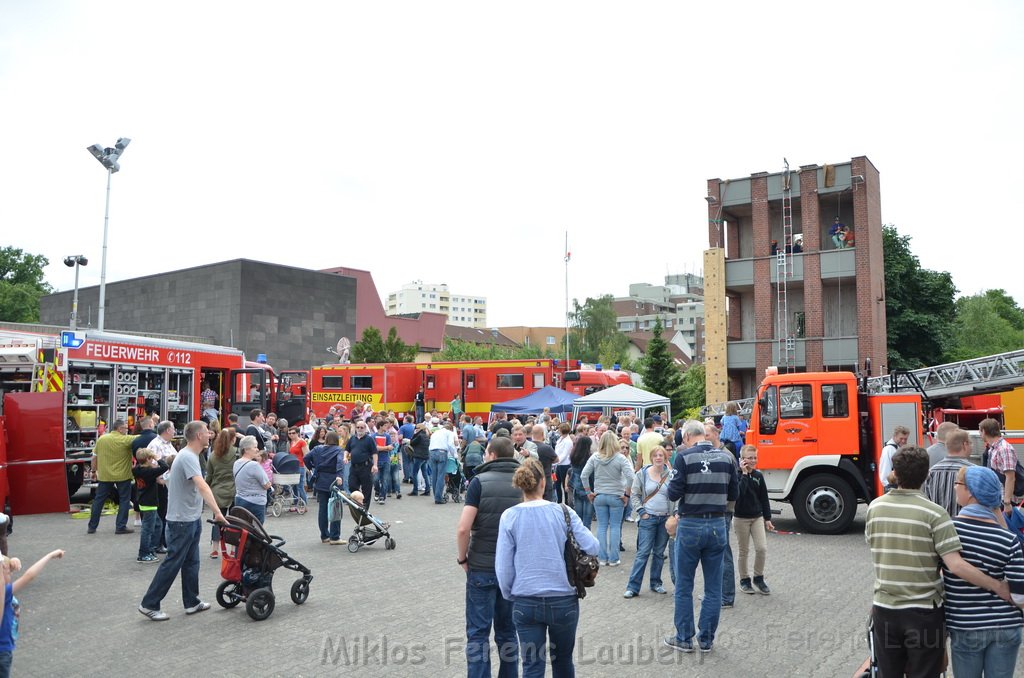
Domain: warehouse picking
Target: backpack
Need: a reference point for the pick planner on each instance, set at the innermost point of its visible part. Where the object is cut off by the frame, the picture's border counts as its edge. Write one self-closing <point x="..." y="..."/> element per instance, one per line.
<point x="1018" y="474"/>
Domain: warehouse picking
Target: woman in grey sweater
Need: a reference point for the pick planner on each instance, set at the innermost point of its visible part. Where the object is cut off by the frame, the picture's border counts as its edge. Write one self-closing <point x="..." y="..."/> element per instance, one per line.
<point x="650" y="499"/>
<point x="607" y="479"/>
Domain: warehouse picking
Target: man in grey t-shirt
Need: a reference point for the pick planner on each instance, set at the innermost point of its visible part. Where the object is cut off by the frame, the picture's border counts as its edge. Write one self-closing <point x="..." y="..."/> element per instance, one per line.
<point x="186" y="492"/>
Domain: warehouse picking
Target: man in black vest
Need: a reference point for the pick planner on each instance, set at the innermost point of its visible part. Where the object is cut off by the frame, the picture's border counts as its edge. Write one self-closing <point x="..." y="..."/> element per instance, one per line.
<point x="489" y="494"/>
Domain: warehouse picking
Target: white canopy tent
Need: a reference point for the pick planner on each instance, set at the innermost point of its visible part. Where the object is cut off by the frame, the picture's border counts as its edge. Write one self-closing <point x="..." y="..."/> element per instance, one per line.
<point x="622" y="397"/>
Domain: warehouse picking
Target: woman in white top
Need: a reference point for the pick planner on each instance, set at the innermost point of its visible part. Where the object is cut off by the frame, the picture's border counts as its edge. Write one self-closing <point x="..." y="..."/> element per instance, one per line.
<point x="563" y="449"/>
<point x="650" y="499"/>
<point x="530" y="566"/>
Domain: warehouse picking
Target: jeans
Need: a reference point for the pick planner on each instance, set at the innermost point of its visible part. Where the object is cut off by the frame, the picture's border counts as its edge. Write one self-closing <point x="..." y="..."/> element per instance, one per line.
<point x="699" y="540"/>
<point x="396" y="480"/>
<point x="608" y="508"/>
<point x="258" y="510"/>
<point x="383" y="477"/>
<point x="485" y="607"/>
<point x="728" y="568"/>
<point x="182" y="556"/>
<point x="149" y="540"/>
<point x="299" y="490"/>
<point x="438" y="462"/>
<point x="328" y="530"/>
<point x="547" y="623"/>
<point x="992" y="651"/>
<point x="419" y="466"/>
<point x="651" y="540"/>
<point x="406" y="466"/>
<point x="560" y="473"/>
<point x="6" y="658"/>
<point x="584" y="509"/>
<point x="124" y="496"/>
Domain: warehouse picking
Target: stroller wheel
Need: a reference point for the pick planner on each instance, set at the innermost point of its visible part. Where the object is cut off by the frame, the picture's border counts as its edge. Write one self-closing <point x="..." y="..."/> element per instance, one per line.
<point x="389" y="543"/>
<point x="228" y="594"/>
<point x="300" y="506"/>
<point x="275" y="509"/>
<point x="300" y="591"/>
<point x="353" y="544"/>
<point x="260" y="604"/>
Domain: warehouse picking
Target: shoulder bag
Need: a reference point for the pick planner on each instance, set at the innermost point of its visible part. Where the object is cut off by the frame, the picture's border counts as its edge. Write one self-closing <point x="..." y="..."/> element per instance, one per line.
<point x="580" y="567"/>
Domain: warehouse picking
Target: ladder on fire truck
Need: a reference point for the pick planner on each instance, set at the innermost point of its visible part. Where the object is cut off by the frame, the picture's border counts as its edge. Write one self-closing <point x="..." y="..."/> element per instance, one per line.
<point x="783" y="271"/>
<point x="26" y="355"/>
<point x="976" y="376"/>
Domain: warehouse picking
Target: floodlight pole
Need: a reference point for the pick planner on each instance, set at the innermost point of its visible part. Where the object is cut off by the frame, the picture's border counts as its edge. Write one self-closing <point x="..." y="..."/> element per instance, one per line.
<point x="74" y="301"/>
<point x="103" y="259"/>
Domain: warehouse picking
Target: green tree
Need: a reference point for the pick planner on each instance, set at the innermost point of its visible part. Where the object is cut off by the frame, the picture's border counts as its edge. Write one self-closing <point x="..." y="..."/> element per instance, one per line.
<point x="658" y="368"/>
<point x="614" y="349"/>
<point x="372" y="348"/>
<point x="21" y="285"/>
<point x="919" y="306"/>
<point x="457" y="349"/>
<point x="694" y="381"/>
<point x="591" y="324"/>
<point x="987" y="323"/>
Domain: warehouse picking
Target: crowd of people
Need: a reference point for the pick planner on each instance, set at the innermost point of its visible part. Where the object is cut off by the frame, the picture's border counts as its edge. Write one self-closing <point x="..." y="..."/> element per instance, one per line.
<point x="527" y="483"/>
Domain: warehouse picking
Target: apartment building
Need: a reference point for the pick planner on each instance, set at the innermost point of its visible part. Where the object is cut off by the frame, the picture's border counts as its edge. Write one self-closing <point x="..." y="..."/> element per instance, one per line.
<point x="420" y="297"/>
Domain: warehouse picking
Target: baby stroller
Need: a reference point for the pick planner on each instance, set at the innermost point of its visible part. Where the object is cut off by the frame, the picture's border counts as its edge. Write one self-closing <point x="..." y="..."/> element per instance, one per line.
<point x="453" y="480"/>
<point x="284" y="498"/>
<point x="368" y="529"/>
<point x="250" y="556"/>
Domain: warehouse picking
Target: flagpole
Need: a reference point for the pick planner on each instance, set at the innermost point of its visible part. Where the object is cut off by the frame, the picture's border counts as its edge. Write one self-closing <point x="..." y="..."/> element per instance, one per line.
<point x="567" y="254"/>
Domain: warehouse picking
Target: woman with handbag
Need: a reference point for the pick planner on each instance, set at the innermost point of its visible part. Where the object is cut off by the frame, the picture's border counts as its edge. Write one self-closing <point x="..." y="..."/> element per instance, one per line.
<point x="652" y="505"/>
<point x="608" y="479"/>
<point x="531" y="569"/>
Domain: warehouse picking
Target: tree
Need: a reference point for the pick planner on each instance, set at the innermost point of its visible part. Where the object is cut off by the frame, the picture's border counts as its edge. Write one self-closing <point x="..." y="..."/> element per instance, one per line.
<point x="592" y="323"/>
<point x="658" y="368"/>
<point x="457" y="349"/>
<point x="21" y="285"/>
<point x="919" y="307"/>
<point x="693" y="390"/>
<point x="987" y="323"/>
<point x="373" y="349"/>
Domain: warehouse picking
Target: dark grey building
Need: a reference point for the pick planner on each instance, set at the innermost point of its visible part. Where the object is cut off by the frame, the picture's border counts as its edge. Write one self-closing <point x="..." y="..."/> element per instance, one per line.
<point x="290" y="314"/>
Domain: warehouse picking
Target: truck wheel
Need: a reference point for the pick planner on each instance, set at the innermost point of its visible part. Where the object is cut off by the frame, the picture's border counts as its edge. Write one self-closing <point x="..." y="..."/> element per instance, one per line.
<point x="76" y="475"/>
<point x="824" y="504"/>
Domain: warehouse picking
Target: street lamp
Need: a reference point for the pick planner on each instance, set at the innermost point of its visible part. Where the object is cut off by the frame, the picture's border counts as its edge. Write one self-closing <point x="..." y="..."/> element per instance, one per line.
<point x="107" y="157"/>
<point x="75" y="260"/>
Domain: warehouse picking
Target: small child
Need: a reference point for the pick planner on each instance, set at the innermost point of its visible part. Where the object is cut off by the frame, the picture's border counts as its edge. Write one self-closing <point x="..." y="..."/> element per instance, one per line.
<point x="148" y="472"/>
<point x="12" y="608"/>
<point x="268" y="467"/>
<point x="753" y="515"/>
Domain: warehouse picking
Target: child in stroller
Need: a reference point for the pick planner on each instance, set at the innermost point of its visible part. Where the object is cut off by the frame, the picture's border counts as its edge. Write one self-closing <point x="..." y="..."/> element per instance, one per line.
<point x="368" y="529"/>
<point x="250" y="556"/>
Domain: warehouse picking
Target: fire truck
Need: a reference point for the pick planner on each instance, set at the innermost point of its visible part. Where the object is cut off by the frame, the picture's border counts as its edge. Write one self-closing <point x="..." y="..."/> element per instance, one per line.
<point x="62" y="391"/>
<point x="819" y="434"/>
<point x="478" y="385"/>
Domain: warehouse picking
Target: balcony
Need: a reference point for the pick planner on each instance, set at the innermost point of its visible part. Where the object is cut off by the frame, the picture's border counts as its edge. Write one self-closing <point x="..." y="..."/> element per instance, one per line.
<point x="836" y="352"/>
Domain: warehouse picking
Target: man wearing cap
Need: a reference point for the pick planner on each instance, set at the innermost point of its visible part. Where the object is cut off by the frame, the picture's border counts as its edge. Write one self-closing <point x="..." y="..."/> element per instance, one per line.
<point x="112" y="467"/>
<point x="909" y="538"/>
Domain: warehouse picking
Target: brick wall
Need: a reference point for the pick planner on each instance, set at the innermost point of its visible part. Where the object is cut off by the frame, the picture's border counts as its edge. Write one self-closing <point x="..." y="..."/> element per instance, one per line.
<point x="870" y="265"/>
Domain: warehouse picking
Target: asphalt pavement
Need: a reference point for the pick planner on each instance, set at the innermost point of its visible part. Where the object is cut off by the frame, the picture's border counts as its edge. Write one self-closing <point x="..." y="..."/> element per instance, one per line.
<point x="401" y="613"/>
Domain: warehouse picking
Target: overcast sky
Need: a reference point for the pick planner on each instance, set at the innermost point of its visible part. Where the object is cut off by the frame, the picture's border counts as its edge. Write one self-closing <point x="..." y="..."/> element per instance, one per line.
<point x="457" y="142"/>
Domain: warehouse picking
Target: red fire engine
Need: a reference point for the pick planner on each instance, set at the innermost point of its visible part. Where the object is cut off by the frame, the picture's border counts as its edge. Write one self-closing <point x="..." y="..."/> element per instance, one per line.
<point x="478" y="385"/>
<point x="62" y="391"/>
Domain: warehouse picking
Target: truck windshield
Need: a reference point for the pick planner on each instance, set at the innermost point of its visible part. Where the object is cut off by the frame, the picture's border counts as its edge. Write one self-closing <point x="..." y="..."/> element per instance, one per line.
<point x="768" y="403"/>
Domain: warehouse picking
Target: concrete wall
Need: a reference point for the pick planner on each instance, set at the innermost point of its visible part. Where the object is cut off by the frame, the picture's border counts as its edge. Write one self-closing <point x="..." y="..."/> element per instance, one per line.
<point x="291" y="314"/>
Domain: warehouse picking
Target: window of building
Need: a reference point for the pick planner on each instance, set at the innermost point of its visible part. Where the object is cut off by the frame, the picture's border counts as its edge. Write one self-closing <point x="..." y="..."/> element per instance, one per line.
<point x="511" y="381"/>
<point x="551" y="340"/>
<point x="334" y="383"/>
<point x="800" y="320"/>
<point x="433" y="306"/>
<point x="361" y="383"/>
<point x="835" y="400"/>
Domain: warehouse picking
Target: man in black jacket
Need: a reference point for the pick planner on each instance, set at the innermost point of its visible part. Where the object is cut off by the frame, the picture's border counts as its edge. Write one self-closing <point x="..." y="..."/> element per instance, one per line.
<point x="489" y="494"/>
<point x="255" y="428"/>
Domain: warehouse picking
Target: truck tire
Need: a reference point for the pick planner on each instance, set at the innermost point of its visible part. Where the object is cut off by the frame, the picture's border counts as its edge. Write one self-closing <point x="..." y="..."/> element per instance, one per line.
<point x="76" y="474"/>
<point x="824" y="503"/>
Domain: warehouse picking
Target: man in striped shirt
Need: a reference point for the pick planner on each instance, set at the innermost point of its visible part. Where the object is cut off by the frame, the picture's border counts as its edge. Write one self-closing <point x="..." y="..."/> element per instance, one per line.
<point x="909" y="536"/>
<point x="939" y="486"/>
